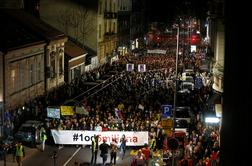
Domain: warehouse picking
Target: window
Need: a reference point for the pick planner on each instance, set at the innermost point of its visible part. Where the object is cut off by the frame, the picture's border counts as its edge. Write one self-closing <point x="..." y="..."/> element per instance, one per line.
<point x="100" y="8"/>
<point x="114" y="7"/>
<point x="77" y="72"/>
<point x="109" y="26"/>
<point x="52" y="64"/>
<point x="21" y="76"/>
<point x="31" y="79"/>
<point x="105" y="26"/>
<point x="39" y="71"/>
<point x="39" y="68"/>
<point x="106" y="5"/>
<point x="13" y="80"/>
<point x="114" y="27"/>
<point x="61" y="65"/>
<point x="110" y="6"/>
<point x="99" y="31"/>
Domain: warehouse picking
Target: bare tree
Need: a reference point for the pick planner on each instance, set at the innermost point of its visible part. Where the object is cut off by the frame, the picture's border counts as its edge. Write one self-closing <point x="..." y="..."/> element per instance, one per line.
<point x="78" y="21"/>
<point x="74" y="23"/>
<point x="84" y="24"/>
<point x="64" y="18"/>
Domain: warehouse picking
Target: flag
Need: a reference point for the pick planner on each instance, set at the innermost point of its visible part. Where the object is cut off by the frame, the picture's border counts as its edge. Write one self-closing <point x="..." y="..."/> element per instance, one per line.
<point x="67" y="110"/>
<point x="141" y="68"/>
<point x="141" y="107"/>
<point x="129" y="67"/>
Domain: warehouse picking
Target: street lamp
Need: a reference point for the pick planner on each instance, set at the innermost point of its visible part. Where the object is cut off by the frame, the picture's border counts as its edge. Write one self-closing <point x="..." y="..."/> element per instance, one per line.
<point x="175" y="93"/>
<point x="176" y="76"/>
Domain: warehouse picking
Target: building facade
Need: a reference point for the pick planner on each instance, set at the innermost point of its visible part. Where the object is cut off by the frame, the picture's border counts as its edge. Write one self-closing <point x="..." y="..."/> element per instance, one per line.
<point x="107" y="29"/>
<point x="138" y="23"/>
<point x="74" y="61"/>
<point x="97" y="30"/>
<point x="216" y="32"/>
<point x="124" y="17"/>
<point x="32" y="58"/>
<point x="110" y="26"/>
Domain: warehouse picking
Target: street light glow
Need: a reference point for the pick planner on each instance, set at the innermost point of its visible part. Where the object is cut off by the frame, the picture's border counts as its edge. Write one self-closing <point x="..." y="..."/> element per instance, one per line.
<point x="212" y="120"/>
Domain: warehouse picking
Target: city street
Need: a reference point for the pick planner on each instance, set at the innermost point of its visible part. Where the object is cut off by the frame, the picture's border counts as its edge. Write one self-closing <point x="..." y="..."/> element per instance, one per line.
<point x="66" y="156"/>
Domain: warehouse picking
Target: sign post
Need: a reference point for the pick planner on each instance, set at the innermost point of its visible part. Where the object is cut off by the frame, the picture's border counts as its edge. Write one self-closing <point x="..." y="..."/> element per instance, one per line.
<point x="166" y="111"/>
<point x="166" y="120"/>
<point x="167" y="125"/>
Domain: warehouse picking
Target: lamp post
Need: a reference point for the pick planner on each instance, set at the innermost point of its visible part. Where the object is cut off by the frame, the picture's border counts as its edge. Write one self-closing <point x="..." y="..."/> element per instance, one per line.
<point x="175" y="94"/>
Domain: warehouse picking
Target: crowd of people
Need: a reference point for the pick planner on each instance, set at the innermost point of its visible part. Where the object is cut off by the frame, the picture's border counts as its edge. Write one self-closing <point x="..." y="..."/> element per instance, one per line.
<point x="132" y="103"/>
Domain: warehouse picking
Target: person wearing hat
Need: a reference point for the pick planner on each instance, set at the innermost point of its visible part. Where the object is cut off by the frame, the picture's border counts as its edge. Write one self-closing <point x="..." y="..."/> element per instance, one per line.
<point x="19" y="153"/>
<point x="104" y="151"/>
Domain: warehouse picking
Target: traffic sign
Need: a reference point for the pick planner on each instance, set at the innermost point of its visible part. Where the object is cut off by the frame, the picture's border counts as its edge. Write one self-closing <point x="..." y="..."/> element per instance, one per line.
<point x="167" y="124"/>
<point x="166" y="110"/>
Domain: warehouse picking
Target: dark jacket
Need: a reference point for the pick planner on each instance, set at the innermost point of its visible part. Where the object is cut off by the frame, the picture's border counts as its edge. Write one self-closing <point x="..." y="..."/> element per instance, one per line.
<point x="104" y="148"/>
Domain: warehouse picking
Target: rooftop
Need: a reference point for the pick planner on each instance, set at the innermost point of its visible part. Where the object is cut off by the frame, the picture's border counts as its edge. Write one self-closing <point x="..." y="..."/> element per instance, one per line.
<point x="13" y="34"/>
<point x="21" y="30"/>
<point x="73" y="50"/>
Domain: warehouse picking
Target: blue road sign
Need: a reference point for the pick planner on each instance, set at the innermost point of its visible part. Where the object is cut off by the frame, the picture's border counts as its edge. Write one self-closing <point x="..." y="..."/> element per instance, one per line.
<point x="166" y="110"/>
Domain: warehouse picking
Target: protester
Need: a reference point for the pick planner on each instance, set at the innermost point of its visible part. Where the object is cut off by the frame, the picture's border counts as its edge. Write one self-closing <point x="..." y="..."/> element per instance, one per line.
<point x="104" y="151"/>
<point x="147" y="154"/>
<point x="19" y="153"/>
<point x="43" y="137"/>
<point x="113" y="151"/>
<point x="94" y="148"/>
<point x="123" y="146"/>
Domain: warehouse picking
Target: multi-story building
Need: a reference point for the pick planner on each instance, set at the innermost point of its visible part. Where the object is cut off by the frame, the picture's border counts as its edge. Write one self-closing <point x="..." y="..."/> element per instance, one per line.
<point x="105" y="25"/>
<point x="92" y="23"/>
<point x="31" y="57"/>
<point x="217" y="42"/>
<point x="124" y="18"/>
<point x="138" y="23"/>
<point x="216" y="39"/>
<point x="107" y="29"/>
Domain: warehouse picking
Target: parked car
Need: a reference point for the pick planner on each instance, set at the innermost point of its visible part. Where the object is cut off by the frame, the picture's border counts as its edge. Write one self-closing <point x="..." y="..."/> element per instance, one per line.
<point x="187" y="73"/>
<point x="29" y="133"/>
<point x="184" y="114"/>
<point x="186" y="86"/>
<point x="6" y="144"/>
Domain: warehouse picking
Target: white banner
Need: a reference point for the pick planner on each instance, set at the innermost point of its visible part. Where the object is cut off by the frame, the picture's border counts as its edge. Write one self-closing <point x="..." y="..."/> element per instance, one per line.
<point x="79" y="137"/>
<point x="53" y="112"/>
<point x="156" y="51"/>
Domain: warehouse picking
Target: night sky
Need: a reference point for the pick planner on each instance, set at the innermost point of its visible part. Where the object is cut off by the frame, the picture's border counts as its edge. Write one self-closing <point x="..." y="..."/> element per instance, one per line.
<point x="167" y="10"/>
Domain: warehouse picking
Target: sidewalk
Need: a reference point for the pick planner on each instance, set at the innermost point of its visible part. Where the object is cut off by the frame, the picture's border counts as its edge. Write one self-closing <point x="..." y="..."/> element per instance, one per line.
<point x="9" y="157"/>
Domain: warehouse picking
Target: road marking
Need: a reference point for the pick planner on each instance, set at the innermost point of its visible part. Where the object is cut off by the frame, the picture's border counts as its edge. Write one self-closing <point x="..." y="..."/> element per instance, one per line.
<point x="72" y="156"/>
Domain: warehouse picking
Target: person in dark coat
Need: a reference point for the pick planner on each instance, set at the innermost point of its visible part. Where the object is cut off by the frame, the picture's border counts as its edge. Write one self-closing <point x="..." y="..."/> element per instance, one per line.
<point x="104" y="151"/>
